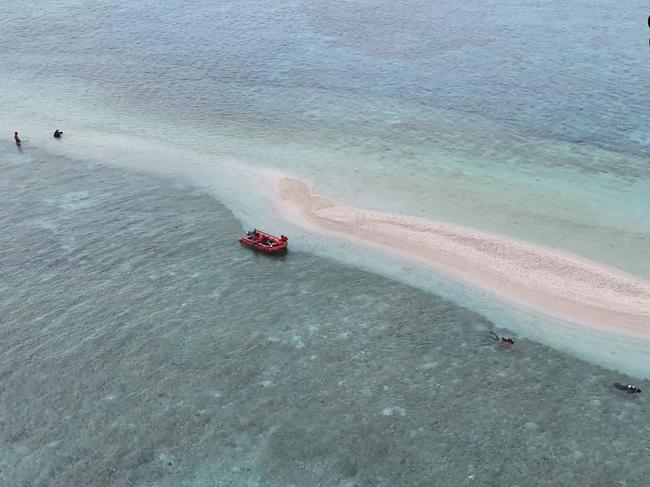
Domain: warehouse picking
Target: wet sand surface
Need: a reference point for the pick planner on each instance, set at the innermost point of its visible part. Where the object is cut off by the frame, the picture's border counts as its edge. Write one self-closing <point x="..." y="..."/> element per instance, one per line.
<point x="552" y="281"/>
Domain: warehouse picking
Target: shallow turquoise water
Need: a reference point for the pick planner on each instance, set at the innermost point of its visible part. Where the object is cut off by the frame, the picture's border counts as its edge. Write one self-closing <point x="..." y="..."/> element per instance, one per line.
<point x="524" y="119"/>
<point x="141" y="347"/>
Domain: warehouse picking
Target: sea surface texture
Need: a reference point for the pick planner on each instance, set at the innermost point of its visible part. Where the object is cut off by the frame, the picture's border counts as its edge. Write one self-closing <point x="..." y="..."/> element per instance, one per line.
<point x="141" y="346"/>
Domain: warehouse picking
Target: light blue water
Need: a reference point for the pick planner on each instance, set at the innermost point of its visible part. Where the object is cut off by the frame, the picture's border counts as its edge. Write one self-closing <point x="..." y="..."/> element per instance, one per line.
<point x="518" y="118"/>
<point x="141" y="348"/>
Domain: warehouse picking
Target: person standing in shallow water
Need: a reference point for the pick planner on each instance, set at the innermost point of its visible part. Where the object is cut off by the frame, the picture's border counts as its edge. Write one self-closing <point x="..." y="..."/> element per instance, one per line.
<point x="17" y="139"/>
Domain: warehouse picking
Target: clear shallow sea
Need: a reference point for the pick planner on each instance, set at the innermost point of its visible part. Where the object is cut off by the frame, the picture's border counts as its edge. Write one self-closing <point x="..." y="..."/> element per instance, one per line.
<point x="140" y="347"/>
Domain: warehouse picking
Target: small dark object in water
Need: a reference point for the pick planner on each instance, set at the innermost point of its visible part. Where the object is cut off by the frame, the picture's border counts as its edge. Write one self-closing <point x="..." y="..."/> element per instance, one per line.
<point x="501" y="340"/>
<point x="630" y="389"/>
<point x="17" y="139"/>
<point x="57" y="134"/>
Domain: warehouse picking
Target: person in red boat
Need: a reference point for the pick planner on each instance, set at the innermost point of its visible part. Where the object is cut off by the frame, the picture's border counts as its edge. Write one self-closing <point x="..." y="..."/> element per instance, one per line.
<point x="502" y="340"/>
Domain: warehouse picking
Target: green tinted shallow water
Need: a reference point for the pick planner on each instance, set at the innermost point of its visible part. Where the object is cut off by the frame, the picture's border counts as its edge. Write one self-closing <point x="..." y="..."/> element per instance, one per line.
<point x="142" y="346"/>
<point x="417" y="109"/>
<point x="415" y="160"/>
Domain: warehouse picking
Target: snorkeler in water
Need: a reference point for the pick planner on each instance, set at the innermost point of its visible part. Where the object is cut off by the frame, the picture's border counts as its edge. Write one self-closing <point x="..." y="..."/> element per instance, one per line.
<point x="630" y="389"/>
<point x="502" y="340"/>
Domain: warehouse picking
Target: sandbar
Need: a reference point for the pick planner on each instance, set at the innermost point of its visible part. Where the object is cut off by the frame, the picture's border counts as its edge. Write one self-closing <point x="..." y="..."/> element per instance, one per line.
<point x="554" y="282"/>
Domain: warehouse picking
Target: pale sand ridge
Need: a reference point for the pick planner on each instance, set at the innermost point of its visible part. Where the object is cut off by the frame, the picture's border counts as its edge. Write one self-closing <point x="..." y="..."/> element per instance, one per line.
<point x="552" y="281"/>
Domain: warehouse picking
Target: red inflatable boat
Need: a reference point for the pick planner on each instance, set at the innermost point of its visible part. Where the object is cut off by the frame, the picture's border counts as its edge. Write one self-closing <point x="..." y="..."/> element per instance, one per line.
<point x="264" y="242"/>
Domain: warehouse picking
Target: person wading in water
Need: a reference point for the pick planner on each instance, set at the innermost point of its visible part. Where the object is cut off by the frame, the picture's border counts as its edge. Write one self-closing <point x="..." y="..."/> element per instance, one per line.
<point x="501" y="340"/>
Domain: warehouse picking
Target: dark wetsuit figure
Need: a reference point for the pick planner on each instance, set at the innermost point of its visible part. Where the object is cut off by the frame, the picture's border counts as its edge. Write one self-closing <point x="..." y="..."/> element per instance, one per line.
<point x="17" y="139"/>
<point x="630" y="389"/>
<point x="57" y="134"/>
<point x="501" y="340"/>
